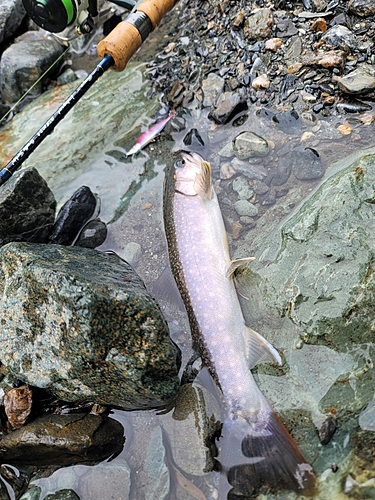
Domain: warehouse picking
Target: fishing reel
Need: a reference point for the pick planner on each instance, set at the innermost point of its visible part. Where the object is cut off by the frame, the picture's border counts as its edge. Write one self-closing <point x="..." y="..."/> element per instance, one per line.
<point x="57" y="16"/>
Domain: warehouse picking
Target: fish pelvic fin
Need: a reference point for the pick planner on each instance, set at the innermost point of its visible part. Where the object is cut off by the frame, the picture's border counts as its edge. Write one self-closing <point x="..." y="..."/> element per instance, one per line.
<point x="237" y="263"/>
<point x="203" y="182"/>
<point x="258" y="349"/>
<point x="262" y="457"/>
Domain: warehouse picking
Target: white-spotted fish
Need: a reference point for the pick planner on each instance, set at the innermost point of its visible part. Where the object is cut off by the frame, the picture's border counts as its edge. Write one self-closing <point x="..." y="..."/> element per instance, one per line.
<point x="150" y="134"/>
<point x="255" y="445"/>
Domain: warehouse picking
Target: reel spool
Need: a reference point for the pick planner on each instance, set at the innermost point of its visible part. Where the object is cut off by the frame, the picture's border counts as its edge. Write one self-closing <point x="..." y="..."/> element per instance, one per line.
<point x="57" y="15"/>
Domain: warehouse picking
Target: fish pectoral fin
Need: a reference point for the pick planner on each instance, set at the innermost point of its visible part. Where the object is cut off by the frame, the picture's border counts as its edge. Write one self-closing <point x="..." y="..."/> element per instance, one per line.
<point x="203" y="182"/>
<point x="235" y="264"/>
<point x="165" y="288"/>
<point x="259" y="350"/>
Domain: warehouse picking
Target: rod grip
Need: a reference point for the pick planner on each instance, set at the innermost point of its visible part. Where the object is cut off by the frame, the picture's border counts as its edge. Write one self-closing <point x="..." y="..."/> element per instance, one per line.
<point x="126" y="38"/>
<point x="121" y="43"/>
<point x="155" y="9"/>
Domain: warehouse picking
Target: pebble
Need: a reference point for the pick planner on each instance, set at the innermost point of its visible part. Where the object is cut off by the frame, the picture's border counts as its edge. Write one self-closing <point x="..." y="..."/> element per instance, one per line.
<point x="249" y="144"/>
<point x="245" y="208"/>
<point x="259" y="24"/>
<point x="261" y="82"/>
<point x="341" y="37"/>
<point x="273" y="44"/>
<point x="241" y="186"/>
<point x="227" y="171"/>
<point x="250" y="171"/>
<point x="307" y="164"/>
<point x="92" y="235"/>
<point x="362" y="7"/>
<point x="212" y="87"/>
<point x="132" y="253"/>
<point x="158" y="485"/>
<point x="226" y="107"/>
<point x="359" y="81"/>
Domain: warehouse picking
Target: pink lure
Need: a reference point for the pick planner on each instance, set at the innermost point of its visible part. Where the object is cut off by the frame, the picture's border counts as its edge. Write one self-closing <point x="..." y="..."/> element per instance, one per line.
<point x="150" y="134"/>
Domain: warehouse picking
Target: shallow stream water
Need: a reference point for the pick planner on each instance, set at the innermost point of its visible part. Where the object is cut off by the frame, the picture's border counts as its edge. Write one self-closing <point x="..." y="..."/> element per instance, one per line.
<point x="160" y="459"/>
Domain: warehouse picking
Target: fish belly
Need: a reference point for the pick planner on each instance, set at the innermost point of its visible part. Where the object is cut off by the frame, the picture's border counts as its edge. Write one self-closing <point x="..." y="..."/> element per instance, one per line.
<point x="204" y="255"/>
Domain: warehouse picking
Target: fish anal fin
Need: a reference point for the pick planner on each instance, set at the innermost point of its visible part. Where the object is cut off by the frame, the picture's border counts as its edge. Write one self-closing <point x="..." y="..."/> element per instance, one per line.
<point x="263" y="456"/>
<point x="237" y="263"/>
<point x="259" y="350"/>
<point x="203" y="182"/>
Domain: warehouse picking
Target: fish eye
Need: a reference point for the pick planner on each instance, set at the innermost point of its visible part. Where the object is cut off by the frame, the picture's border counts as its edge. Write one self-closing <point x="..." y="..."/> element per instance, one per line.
<point x="179" y="163"/>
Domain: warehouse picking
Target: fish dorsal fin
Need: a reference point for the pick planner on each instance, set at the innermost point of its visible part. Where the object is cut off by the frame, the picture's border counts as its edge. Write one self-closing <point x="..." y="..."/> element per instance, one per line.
<point x="202" y="183"/>
<point x="235" y="264"/>
<point x="259" y="350"/>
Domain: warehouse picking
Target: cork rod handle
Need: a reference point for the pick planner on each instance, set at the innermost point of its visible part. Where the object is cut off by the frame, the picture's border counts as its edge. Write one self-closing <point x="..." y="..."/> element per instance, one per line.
<point x="126" y="38"/>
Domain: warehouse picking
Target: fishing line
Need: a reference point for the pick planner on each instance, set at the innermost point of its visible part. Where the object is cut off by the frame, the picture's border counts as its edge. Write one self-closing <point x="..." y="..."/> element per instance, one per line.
<point x="34" y="84"/>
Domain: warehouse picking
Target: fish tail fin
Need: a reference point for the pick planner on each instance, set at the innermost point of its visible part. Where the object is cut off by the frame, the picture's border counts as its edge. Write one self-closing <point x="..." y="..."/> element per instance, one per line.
<point x="262" y="457"/>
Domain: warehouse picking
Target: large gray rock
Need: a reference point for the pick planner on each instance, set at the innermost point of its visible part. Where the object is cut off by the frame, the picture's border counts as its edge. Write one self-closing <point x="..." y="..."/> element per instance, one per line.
<point x="12" y="13"/>
<point x="27" y="208"/>
<point x="322" y="276"/>
<point x="23" y="63"/>
<point x="81" y="325"/>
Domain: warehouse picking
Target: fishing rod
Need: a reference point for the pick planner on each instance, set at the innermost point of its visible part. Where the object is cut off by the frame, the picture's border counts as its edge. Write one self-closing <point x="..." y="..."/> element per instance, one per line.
<point x="115" y="50"/>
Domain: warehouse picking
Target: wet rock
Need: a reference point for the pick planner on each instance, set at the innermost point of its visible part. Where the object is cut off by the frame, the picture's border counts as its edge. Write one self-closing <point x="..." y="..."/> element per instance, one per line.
<point x="158" y="474"/>
<point x="227" y="151"/>
<point x="359" y="81"/>
<point x="242" y="187"/>
<point x="132" y="252"/>
<point x="329" y="242"/>
<point x="260" y="187"/>
<point x="67" y="76"/>
<point x="27" y="208"/>
<point x="12" y="13"/>
<point x="319" y="25"/>
<point x="245" y="208"/>
<point x="258" y="25"/>
<point x="63" y="495"/>
<point x="362" y="7"/>
<point x="23" y="63"/>
<point x="327" y="429"/>
<point x="81" y="325"/>
<point x="193" y="138"/>
<point x="227" y="105"/>
<point x="307" y="164"/>
<point x="281" y="174"/>
<point x="73" y="215"/>
<point x="106" y="479"/>
<point x="249" y="144"/>
<point x="92" y="235"/>
<point x="193" y="424"/>
<point x="212" y="87"/>
<point x="250" y="171"/>
<point x="227" y="171"/>
<point x="289" y="121"/>
<point x="17" y="405"/>
<point x="32" y="493"/>
<point x="63" y="440"/>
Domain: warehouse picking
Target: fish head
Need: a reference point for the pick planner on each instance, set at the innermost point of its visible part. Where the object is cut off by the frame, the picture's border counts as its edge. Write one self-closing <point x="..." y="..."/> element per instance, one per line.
<point x="193" y="176"/>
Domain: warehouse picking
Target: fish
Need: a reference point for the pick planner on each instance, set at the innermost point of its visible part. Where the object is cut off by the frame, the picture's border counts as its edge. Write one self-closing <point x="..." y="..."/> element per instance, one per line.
<point x="253" y="442"/>
<point x="150" y="134"/>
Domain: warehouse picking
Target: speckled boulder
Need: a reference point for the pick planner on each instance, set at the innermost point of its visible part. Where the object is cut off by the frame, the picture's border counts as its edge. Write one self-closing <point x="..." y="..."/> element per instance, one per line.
<point x="80" y="324"/>
<point x="27" y="208"/>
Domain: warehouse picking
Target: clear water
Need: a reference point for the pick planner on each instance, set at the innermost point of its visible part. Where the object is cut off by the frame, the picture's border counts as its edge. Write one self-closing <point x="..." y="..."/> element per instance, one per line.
<point x="160" y="459"/>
